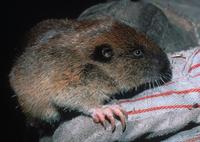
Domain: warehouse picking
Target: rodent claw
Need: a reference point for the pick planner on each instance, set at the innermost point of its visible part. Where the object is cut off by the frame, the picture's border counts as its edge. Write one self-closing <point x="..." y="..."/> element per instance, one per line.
<point x="112" y="122"/>
<point x="122" y="116"/>
<point x="109" y="115"/>
<point x="101" y="118"/>
<point x="124" y="127"/>
<point x="109" y="112"/>
<point x="103" y="124"/>
<point x="95" y="119"/>
<point x="125" y="113"/>
<point x="113" y="128"/>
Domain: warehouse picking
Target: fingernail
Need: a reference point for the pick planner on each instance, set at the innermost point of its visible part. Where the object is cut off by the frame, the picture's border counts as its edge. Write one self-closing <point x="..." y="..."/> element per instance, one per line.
<point x="104" y="125"/>
<point x="123" y="128"/>
<point x="113" y="129"/>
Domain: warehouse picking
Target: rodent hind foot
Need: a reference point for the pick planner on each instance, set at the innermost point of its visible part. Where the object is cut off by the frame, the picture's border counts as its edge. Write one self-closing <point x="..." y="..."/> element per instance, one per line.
<point x="109" y="113"/>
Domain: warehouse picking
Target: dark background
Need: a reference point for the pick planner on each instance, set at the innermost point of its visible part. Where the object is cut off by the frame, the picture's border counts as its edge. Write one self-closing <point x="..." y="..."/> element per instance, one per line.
<point x="21" y="16"/>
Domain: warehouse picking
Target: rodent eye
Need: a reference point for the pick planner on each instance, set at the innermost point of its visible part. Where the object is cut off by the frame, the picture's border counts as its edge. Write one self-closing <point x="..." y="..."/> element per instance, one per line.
<point x="107" y="52"/>
<point x="102" y="53"/>
<point x="138" y="53"/>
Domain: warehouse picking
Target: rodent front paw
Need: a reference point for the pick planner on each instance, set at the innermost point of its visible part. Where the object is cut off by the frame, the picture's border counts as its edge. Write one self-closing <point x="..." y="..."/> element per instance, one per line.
<point x="109" y="112"/>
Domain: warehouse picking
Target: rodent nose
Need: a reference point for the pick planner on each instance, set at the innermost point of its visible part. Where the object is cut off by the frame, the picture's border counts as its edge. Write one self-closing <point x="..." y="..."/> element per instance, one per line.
<point x="162" y="63"/>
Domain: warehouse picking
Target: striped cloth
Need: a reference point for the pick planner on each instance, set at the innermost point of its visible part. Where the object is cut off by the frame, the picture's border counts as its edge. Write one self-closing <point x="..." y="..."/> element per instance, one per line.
<point x="174" y="104"/>
<point x="155" y="112"/>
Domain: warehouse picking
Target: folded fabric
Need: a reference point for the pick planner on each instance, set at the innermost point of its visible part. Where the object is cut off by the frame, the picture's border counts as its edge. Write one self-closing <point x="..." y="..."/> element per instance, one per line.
<point x="154" y="112"/>
<point x="192" y="135"/>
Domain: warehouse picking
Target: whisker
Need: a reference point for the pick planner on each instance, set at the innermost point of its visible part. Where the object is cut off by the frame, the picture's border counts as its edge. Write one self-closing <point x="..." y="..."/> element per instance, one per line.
<point x="13" y="96"/>
<point x="156" y="82"/>
<point x="136" y="88"/>
<point x="146" y="86"/>
<point x="159" y="83"/>
<point x="168" y="74"/>
<point x="154" y="86"/>
<point x="165" y="77"/>
<point x="149" y="85"/>
<point x="162" y="80"/>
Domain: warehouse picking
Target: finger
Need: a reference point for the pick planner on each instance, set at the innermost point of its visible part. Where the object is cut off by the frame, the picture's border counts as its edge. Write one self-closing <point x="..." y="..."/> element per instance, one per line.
<point x="121" y="116"/>
<point x="123" y="111"/>
<point x="94" y="115"/>
<point x="101" y="117"/>
<point x="111" y="119"/>
<point x="95" y="118"/>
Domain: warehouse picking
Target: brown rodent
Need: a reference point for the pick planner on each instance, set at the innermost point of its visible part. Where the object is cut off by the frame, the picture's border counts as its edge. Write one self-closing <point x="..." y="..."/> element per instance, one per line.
<point x="77" y="65"/>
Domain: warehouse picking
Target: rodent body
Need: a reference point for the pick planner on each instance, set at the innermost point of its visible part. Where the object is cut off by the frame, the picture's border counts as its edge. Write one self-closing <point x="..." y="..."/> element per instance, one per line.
<point x="78" y="65"/>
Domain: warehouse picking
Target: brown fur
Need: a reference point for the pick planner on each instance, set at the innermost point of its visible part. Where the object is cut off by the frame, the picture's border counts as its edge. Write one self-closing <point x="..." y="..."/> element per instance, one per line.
<point x="56" y="68"/>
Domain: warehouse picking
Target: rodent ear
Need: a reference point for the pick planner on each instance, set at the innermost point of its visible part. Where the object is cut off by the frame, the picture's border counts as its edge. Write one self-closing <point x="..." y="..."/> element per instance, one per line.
<point x="102" y="53"/>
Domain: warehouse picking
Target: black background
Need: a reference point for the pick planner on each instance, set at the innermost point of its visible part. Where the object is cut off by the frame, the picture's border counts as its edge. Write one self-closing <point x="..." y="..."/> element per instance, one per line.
<point x="20" y="16"/>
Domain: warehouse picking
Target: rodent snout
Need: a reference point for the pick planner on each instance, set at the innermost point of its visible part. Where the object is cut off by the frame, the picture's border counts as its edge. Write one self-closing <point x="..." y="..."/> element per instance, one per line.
<point x="162" y="63"/>
<point x="165" y="68"/>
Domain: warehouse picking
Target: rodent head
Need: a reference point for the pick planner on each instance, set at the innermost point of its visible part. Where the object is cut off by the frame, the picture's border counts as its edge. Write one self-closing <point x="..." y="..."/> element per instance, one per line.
<point x="127" y="57"/>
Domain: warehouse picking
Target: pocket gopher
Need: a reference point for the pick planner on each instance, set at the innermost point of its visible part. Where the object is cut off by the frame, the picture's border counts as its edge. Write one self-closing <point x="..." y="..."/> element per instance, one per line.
<point x="78" y="65"/>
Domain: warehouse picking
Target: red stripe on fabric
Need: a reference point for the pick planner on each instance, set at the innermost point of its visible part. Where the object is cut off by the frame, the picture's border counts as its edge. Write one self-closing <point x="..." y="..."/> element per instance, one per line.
<point x="168" y="93"/>
<point x="193" y="67"/>
<point x="197" y="75"/>
<point x="198" y="52"/>
<point x="179" y="79"/>
<point x="161" y="108"/>
<point x="195" y="139"/>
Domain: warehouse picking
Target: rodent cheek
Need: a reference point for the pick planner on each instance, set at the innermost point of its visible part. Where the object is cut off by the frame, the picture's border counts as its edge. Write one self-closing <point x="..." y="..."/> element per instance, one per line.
<point x="154" y="64"/>
<point x="150" y="69"/>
